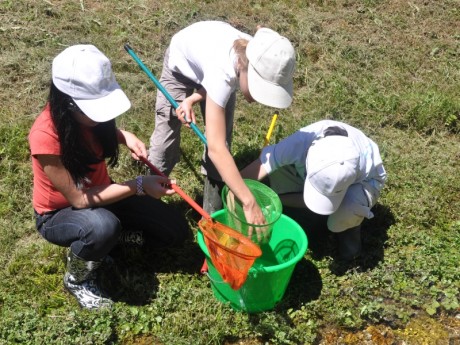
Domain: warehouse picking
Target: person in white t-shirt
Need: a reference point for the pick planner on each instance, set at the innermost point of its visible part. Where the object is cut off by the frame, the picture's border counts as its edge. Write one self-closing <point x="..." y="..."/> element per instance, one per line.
<point x="333" y="169"/>
<point x="206" y="63"/>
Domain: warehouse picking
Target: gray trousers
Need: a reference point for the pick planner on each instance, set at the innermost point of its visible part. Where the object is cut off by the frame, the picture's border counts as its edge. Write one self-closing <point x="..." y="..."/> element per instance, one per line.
<point x="164" y="150"/>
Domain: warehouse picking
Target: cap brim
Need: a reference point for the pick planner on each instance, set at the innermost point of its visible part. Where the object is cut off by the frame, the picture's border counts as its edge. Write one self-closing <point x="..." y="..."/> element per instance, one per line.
<point x="105" y="108"/>
<point x="319" y="203"/>
<point x="269" y="94"/>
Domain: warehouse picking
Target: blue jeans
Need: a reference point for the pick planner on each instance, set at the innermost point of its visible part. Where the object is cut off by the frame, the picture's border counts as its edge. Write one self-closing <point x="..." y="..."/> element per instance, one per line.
<point x="91" y="233"/>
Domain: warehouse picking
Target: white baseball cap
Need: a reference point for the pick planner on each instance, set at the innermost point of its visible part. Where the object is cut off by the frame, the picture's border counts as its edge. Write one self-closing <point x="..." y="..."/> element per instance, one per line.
<point x="332" y="166"/>
<point x="85" y="74"/>
<point x="271" y="68"/>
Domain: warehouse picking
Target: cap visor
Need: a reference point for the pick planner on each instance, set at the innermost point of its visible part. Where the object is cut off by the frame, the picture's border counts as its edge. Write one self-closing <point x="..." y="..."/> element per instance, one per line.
<point x="269" y="94"/>
<point x="319" y="203"/>
<point x="105" y="108"/>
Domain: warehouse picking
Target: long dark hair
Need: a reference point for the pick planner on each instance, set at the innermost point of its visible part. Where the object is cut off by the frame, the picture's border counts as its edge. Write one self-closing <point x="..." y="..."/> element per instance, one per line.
<point x="76" y="154"/>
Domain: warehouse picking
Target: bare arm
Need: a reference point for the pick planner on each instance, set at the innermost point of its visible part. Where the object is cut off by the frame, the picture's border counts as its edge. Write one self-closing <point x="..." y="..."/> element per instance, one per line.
<point x="223" y="160"/>
<point x="254" y="171"/>
<point x="98" y="195"/>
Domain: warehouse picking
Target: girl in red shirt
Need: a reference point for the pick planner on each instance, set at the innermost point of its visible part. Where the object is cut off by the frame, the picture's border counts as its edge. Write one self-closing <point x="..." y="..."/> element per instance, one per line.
<point x="76" y="203"/>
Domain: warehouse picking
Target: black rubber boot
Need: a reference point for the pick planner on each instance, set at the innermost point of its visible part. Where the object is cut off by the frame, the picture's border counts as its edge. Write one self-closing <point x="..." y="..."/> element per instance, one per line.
<point x="349" y="243"/>
<point x="212" y="199"/>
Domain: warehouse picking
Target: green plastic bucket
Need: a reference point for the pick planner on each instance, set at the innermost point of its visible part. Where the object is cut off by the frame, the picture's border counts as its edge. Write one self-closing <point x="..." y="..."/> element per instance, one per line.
<point x="268" y="278"/>
<point x="268" y="201"/>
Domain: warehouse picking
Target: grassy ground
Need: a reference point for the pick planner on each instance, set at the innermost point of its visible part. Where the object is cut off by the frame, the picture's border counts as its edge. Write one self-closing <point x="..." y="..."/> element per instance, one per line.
<point x="391" y="68"/>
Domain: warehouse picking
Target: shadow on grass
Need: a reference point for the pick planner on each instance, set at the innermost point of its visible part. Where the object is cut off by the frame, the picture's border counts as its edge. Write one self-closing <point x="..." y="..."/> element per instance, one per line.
<point x="305" y="286"/>
<point x="127" y="280"/>
<point x="130" y="276"/>
<point x="323" y="243"/>
<point x="374" y="236"/>
<point x="245" y="157"/>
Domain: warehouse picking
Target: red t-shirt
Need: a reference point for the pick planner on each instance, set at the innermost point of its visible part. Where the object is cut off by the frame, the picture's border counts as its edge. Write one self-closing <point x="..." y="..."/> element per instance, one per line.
<point x="43" y="139"/>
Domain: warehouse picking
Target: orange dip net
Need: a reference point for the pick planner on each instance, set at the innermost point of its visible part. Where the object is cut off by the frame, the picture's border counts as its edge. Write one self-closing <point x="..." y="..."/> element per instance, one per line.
<point x="231" y="253"/>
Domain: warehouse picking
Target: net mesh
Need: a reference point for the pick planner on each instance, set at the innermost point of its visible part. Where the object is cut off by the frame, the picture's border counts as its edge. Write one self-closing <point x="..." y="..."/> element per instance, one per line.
<point x="231" y="253"/>
<point x="268" y="201"/>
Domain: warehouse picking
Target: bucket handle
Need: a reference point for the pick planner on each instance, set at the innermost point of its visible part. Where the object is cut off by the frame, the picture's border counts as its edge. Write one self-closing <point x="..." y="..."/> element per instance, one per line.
<point x="206" y="273"/>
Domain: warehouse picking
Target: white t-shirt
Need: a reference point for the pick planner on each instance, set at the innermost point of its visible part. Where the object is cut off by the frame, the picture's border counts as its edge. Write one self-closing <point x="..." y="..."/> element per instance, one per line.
<point x="203" y="52"/>
<point x="293" y="151"/>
